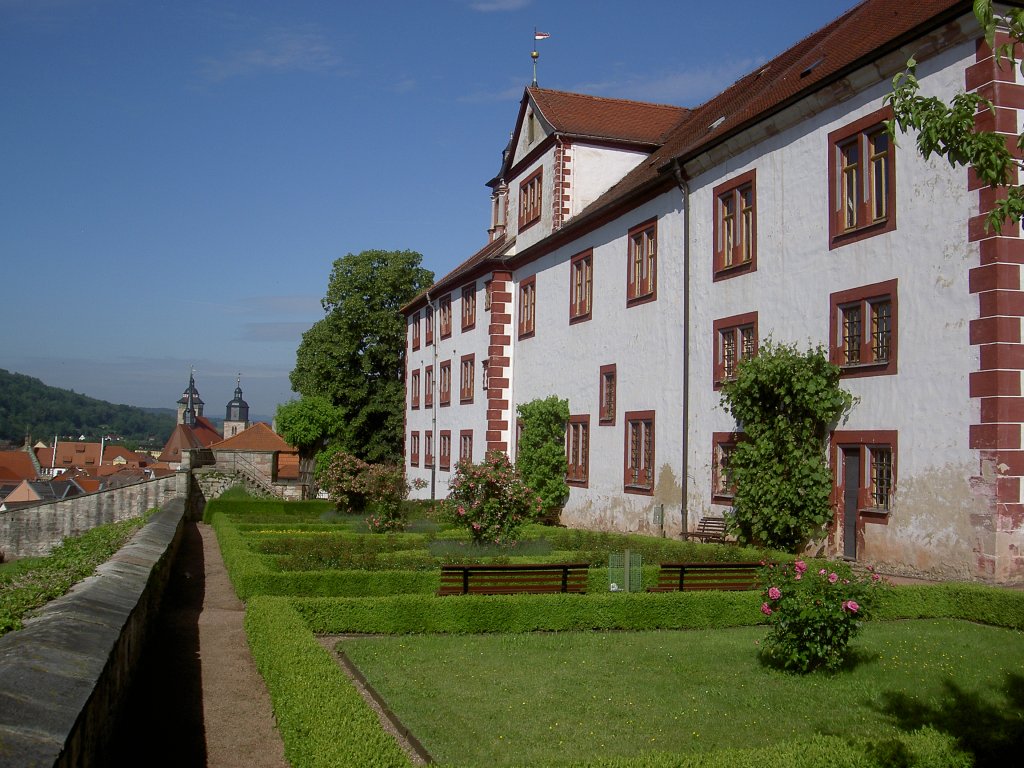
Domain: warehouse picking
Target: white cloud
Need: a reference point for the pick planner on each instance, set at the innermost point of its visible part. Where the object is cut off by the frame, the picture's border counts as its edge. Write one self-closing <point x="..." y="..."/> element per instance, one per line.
<point x="489" y="6"/>
<point x="302" y="49"/>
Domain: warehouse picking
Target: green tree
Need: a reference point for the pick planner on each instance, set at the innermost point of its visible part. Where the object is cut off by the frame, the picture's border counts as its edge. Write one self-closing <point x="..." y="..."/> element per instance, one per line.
<point x="786" y="403"/>
<point x="355" y="356"/>
<point x="948" y="130"/>
<point x="307" y="423"/>
<point x="541" y="451"/>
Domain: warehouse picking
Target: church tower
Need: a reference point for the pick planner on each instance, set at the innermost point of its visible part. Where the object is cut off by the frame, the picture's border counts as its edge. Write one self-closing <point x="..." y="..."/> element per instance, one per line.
<point x="237" y="417"/>
<point x="190" y="406"/>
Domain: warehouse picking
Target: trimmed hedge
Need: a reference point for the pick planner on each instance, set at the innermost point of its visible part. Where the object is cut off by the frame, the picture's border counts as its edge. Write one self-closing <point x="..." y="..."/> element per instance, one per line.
<point x="468" y="614"/>
<point x="970" y="602"/>
<point x="323" y="720"/>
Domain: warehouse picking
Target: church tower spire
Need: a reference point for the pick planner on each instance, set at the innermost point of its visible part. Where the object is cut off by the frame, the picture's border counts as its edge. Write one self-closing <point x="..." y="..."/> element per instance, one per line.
<point x="190" y="406"/>
<point x="236" y="419"/>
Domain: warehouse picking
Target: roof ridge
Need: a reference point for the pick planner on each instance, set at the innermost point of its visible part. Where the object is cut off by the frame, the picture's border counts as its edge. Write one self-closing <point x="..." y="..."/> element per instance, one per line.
<point x="592" y="97"/>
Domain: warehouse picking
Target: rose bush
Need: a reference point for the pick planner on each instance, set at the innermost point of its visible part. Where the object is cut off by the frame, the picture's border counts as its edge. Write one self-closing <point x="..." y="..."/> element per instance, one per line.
<point x="813" y="616"/>
<point x="490" y="500"/>
<point x="379" y="489"/>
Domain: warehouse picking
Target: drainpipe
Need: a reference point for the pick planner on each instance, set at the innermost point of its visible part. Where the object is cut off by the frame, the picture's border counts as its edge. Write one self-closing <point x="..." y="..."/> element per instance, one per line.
<point x="433" y="400"/>
<point x="684" y="188"/>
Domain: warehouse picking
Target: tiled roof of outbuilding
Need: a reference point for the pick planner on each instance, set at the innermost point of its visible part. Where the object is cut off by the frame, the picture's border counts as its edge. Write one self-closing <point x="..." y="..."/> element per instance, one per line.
<point x="597" y="117"/>
<point x="259" y="437"/>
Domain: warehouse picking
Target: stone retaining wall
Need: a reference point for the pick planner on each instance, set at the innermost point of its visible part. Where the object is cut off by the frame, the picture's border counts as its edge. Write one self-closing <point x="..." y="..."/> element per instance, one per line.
<point x="62" y="676"/>
<point x="36" y="530"/>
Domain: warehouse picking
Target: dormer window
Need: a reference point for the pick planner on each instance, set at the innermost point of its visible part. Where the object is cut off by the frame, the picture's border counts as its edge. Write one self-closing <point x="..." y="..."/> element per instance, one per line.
<point x="531" y="127"/>
<point x="530" y="199"/>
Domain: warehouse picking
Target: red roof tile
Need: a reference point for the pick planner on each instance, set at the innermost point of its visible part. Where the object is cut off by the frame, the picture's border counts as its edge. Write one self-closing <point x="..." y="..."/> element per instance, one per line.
<point x="182" y="439"/>
<point x="597" y="117"/>
<point x="16" y="466"/>
<point x="258" y="437"/>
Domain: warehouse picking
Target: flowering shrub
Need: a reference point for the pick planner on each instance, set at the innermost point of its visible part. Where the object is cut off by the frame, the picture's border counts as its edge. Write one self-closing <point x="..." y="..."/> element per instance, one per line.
<point x="490" y="499"/>
<point x="380" y="489"/>
<point x="814" y="615"/>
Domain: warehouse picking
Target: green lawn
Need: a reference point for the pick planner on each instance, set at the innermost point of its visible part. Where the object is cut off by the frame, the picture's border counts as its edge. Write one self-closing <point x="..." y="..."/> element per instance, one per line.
<point x="499" y="700"/>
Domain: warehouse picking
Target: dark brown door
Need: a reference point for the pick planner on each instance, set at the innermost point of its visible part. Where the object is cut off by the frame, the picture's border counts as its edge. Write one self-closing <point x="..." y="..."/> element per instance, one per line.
<point x="851" y="493"/>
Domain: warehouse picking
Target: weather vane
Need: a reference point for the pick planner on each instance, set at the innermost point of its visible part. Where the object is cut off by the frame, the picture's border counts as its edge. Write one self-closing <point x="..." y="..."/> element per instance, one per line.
<point x="537" y="36"/>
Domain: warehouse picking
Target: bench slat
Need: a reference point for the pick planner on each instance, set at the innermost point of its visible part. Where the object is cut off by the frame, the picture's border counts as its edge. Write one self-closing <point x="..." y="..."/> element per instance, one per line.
<point x="688" y="577"/>
<point x="514" y="578"/>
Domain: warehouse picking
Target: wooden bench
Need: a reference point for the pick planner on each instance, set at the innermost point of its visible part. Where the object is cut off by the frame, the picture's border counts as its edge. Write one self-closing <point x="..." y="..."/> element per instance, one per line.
<point x="512" y="579"/>
<point x="708" y="529"/>
<point x="687" y="577"/>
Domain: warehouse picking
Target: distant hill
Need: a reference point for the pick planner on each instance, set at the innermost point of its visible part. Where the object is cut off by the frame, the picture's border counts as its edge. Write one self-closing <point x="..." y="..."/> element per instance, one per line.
<point x="28" y="406"/>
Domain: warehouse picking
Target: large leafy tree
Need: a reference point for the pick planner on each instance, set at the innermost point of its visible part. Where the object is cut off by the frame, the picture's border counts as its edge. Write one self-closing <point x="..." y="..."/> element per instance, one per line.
<point x="355" y="356"/>
<point x="949" y="131"/>
<point x="307" y="423"/>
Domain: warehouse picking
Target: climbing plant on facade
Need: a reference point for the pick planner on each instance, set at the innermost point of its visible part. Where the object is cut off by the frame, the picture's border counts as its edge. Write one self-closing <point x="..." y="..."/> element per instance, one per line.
<point x="786" y="402"/>
<point x="540" y="454"/>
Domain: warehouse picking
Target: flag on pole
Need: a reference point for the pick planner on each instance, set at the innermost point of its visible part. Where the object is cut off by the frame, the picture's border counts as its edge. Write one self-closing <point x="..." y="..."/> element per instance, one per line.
<point x="541" y="35"/>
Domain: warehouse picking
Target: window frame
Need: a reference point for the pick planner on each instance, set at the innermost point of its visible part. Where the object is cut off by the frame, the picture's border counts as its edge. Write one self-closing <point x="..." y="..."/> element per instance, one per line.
<point x="867" y="298"/>
<point x="444" y="383"/>
<point x="428" y="386"/>
<point x="428" y="448"/>
<point x="466" y="382"/>
<point x="645" y="421"/>
<point x="444" y="450"/>
<point x="428" y="329"/>
<point x="445" y="310"/>
<point x="860" y="132"/>
<point x="645" y="288"/>
<point x="464" y="436"/>
<point x="530" y="207"/>
<point x="577" y="446"/>
<point x="468" y="307"/>
<point x="414" y="448"/>
<point x="730" y="262"/>
<point x="723" y="326"/>
<point x="414" y="385"/>
<point x="528" y="295"/>
<point x="416" y="329"/>
<point x="722" y="444"/>
<point x="581" y="263"/>
<point x="605" y="410"/>
<point x="870" y="443"/>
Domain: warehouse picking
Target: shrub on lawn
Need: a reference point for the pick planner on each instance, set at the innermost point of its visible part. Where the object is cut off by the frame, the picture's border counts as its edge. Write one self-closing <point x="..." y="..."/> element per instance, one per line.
<point x="813" y="614"/>
<point x="490" y="499"/>
<point x="356" y="485"/>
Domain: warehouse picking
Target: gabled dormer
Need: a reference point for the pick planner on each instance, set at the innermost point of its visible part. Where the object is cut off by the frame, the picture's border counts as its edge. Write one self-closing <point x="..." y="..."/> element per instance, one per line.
<point x="566" y="150"/>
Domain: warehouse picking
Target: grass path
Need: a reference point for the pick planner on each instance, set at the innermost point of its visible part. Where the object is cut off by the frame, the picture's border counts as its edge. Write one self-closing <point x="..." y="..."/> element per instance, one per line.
<point x="523" y="699"/>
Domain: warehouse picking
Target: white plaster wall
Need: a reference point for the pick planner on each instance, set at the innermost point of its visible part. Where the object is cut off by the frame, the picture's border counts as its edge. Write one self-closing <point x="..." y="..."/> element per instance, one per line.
<point x="927" y="401"/>
<point x="595" y="170"/>
<point x="540" y="229"/>
<point x="643" y="341"/>
<point x="457" y="416"/>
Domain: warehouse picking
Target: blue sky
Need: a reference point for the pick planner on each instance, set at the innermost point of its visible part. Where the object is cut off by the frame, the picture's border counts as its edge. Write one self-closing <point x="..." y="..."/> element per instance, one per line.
<point x="178" y="177"/>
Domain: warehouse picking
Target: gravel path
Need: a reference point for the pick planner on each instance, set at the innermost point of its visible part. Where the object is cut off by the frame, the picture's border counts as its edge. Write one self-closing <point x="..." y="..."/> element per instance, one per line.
<point x="198" y="700"/>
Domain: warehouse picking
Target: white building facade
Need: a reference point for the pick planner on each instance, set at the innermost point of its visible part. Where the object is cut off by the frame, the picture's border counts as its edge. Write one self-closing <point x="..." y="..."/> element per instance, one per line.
<point x="631" y="269"/>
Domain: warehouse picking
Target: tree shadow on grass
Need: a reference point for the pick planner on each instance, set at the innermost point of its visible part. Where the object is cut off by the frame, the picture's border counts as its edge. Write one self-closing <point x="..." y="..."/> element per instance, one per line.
<point x="992" y="731"/>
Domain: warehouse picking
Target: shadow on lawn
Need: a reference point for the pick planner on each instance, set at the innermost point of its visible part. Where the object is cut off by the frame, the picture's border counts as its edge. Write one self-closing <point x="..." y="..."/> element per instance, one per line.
<point x="992" y="732"/>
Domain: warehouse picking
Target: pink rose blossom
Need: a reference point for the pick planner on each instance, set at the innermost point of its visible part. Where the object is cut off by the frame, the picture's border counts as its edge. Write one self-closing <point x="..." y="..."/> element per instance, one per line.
<point x="797" y="577"/>
<point x="774" y="593"/>
<point x="766" y="609"/>
<point x="851" y="606"/>
<point x="875" y="577"/>
<point x="821" y="572"/>
<point x="800" y="566"/>
<point x="833" y="578"/>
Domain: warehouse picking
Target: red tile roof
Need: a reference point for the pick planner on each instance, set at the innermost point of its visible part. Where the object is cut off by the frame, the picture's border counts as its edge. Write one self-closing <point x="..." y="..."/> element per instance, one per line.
<point x="596" y="117"/>
<point x="16" y="466"/>
<point x="206" y="432"/>
<point x="182" y="439"/>
<point x="258" y="438"/>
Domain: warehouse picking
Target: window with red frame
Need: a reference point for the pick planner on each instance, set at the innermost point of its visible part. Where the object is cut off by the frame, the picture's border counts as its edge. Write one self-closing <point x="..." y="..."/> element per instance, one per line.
<point x="862" y="329"/>
<point x="466" y="445"/>
<point x="414" y="449"/>
<point x="530" y="198"/>
<point x="444" y="449"/>
<point x="428" y="448"/>
<point x="577" y="449"/>
<point x="735" y="342"/>
<point x="428" y="327"/>
<point x="468" y="306"/>
<point x="445" y="316"/>
<point x="606" y="411"/>
<point x="466" y="376"/>
<point x="527" y="307"/>
<point x="639" y="459"/>
<point x="487" y="295"/>
<point x="723" y="489"/>
<point x="416" y="329"/>
<point x="581" y="286"/>
<point x="414" y="386"/>
<point x="735" y="226"/>
<point x="428" y="386"/>
<point x="444" y="383"/>
<point x="862" y="180"/>
<point x="642" y="282"/>
<point x="877" y="452"/>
